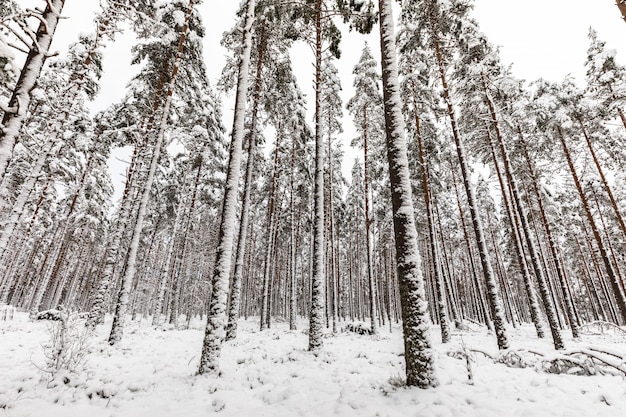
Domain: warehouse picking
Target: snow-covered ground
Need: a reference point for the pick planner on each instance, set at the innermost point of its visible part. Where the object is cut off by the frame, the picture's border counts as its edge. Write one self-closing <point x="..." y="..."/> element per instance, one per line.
<point x="152" y="373"/>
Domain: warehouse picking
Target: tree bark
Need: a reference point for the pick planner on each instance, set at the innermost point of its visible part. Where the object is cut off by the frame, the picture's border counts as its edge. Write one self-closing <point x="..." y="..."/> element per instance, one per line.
<point x="235" y="289"/>
<point x="605" y="183"/>
<point x="495" y="303"/>
<point x="417" y="348"/>
<point x="535" y="312"/>
<point x="530" y="243"/>
<point x="569" y="304"/>
<point x="119" y="319"/>
<point x="216" y="317"/>
<point x="368" y="234"/>
<point x="437" y="275"/>
<point x="610" y="270"/>
<point x="22" y="93"/>
<point x="316" y="317"/>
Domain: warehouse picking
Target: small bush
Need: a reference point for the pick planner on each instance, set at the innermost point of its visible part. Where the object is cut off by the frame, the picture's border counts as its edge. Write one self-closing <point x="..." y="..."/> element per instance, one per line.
<point x="68" y="346"/>
<point x="358" y="328"/>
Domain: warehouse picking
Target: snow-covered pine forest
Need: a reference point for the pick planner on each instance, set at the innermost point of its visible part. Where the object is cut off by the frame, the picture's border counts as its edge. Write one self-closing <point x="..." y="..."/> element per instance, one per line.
<point x="472" y="263"/>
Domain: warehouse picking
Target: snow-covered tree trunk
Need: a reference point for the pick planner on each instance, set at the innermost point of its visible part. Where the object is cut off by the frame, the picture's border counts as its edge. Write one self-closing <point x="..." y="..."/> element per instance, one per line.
<point x="620" y="297"/>
<point x="482" y="307"/>
<point x="530" y="243"/>
<point x="119" y="319"/>
<point x="605" y="183"/>
<point x="569" y="305"/>
<point x="293" y="260"/>
<point x="417" y="348"/>
<point x="51" y="148"/>
<point x="316" y="315"/>
<point x="495" y="303"/>
<point x="332" y="252"/>
<point x="97" y="309"/>
<point x="169" y="264"/>
<point x="368" y="234"/>
<point x="235" y="289"/>
<point x="184" y="242"/>
<point x="437" y="275"/>
<point x="216" y="317"/>
<point x="535" y="311"/>
<point x="269" y="233"/>
<point x="18" y="104"/>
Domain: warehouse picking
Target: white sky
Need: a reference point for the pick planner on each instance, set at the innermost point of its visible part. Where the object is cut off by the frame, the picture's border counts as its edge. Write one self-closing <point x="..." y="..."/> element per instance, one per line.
<point x="542" y="38"/>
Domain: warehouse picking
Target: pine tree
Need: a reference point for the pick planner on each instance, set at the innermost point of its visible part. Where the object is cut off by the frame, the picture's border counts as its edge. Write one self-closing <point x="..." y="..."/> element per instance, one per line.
<point x="417" y="348"/>
<point x="606" y="79"/>
<point x="130" y="265"/>
<point x="367" y="111"/>
<point x="16" y="110"/>
<point x="216" y="318"/>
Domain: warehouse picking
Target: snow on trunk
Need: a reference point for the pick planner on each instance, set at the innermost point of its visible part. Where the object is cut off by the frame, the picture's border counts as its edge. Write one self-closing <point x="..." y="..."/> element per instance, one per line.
<point x="52" y="147"/>
<point x="265" y="321"/>
<point x="493" y="295"/>
<point x="369" y="239"/>
<point x="235" y="290"/>
<point x="620" y="297"/>
<point x="216" y="317"/>
<point x="533" y="251"/>
<point x="121" y="307"/>
<point x="533" y="303"/>
<point x="316" y="316"/>
<point x="12" y="120"/>
<point x="437" y="275"/>
<point x="417" y="347"/>
<point x="167" y="269"/>
<point x="98" y="309"/>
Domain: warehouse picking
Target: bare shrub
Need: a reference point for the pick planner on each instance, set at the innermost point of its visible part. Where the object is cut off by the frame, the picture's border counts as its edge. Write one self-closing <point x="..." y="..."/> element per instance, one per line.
<point x="67" y="349"/>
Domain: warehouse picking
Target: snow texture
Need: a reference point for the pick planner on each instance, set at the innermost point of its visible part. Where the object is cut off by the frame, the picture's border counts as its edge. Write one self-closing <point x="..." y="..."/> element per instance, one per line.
<point x="27" y="81"/>
<point x="152" y="374"/>
<point x="215" y="331"/>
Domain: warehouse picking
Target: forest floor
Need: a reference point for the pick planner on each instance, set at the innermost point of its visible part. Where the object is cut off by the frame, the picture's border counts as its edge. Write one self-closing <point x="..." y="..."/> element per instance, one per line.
<point x="151" y="373"/>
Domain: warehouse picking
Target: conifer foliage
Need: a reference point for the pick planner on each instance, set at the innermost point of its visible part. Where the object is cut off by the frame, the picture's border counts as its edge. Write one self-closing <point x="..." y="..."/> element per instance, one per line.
<point x="476" y="200"/>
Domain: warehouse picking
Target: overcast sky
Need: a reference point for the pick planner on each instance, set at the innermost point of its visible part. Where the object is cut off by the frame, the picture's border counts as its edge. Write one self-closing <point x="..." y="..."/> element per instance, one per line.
<point x="541" y="38"/>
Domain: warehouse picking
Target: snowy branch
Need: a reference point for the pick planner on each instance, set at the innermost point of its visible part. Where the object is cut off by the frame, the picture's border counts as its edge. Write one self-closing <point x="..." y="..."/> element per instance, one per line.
<point x="579" y="361"/>
<point x="14" y="46"/>
<point x="20" y="36"/>
<point x="7" y="109"/>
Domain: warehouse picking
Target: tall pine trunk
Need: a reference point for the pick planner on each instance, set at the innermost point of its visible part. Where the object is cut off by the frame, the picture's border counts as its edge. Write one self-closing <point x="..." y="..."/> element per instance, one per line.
<point x="417" y="348"/>
<point x="119" y="319"/>
<point x="368" y="233"/>
<point x="605" y="183"/>
<point x="216" y="316"/>
<point x="437" y="275"/>
<point x="569" y="303"/>
<point x="535" y="311"/>
<point x="495" y="303"/>
<point x="235" y="288"/>
<point x="610" y="270"/>
<point x="269" y="233"/>
<point x="316" y="315"/>
<point x="22" y="93"/>
<point x="530" y="243"/>
<point x="293" y="238"/>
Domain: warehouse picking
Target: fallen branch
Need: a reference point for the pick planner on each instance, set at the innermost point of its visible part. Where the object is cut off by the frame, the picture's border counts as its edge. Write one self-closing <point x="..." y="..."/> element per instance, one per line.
<point x="583" y="361"/>
<point x="602" y="327"/>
